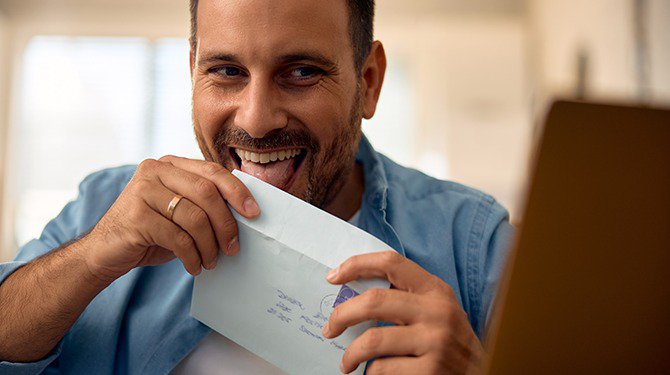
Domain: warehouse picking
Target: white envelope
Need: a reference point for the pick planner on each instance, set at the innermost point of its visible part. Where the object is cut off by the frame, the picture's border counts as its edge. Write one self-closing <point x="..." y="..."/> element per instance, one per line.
<point x="272" y="298"/>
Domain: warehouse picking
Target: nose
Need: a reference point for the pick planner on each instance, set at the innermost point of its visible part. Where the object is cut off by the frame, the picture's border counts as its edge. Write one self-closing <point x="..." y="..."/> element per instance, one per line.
<point x="259" y="110"/>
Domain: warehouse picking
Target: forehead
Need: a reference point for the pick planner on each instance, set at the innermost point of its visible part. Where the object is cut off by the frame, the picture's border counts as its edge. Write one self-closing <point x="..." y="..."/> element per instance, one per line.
<point x="266" y="28"/>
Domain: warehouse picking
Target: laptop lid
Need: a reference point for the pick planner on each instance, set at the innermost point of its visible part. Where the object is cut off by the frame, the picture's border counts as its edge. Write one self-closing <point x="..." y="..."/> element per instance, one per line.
<point x="587" y="286"/>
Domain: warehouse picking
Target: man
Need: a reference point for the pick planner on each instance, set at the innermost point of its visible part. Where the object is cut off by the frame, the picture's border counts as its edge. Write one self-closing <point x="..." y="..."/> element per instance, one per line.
<point x="279" y="91"/>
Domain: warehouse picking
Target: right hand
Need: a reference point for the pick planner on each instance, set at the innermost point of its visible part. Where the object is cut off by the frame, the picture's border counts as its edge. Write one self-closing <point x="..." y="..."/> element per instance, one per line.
<point x="135" y="231"/>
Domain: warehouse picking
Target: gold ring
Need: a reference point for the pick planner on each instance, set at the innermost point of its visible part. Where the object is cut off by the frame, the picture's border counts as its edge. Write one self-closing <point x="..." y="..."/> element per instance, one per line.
<point x="172" y="205"/>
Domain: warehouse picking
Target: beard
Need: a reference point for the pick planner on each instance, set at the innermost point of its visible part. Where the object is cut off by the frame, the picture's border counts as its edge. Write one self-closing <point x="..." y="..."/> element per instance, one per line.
<point x="326" y="165"/>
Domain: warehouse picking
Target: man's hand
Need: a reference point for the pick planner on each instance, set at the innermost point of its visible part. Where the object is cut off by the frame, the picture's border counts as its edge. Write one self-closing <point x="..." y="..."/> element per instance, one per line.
<point x="432" y="334"/>
<point x="137" y="232"/>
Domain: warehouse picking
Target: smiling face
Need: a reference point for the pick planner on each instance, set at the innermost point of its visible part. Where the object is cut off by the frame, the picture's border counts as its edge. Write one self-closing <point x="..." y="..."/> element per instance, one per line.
<point x="276" y="92"/>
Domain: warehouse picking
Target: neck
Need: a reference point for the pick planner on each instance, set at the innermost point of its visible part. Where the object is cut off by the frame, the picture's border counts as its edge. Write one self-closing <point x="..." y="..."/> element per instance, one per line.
<point x="349" y="199"/>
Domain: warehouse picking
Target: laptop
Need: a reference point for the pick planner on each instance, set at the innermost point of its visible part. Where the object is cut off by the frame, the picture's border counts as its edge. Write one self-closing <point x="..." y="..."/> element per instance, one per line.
<point x="587" y="284"/>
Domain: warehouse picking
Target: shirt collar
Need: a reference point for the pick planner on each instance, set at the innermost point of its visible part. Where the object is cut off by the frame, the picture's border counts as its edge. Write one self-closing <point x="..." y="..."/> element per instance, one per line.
<point x="376" y="184"/>
<point x="373" y="218"/>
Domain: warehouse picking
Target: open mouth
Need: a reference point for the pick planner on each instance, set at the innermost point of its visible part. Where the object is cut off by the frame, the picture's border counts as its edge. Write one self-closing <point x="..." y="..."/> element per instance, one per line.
<point x="276" y="167"/>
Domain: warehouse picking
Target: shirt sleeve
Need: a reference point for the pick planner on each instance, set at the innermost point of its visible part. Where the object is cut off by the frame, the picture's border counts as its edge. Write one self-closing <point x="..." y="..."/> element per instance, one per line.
<point x="498" y="235"/>
<point x="96" y="194"/>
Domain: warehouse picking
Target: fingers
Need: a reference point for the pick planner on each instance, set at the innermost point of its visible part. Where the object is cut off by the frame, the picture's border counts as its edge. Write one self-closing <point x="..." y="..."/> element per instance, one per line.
<point x="229" y="186"/>
<point x="195" y="221"/>
<point x="205" y="195"/>
<point x="400" y="271"/>
<point x="398" y="365"/>
<point x="381" y="341"/>
<point x="388" y="305"/>
<point x="169" y="235"/>
<point x="190" y="218"/>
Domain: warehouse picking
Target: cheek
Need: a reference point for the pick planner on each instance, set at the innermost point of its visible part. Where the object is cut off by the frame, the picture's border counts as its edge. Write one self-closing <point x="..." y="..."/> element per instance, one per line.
<point x="210" y="111"/>
<point x="324" y="114"/>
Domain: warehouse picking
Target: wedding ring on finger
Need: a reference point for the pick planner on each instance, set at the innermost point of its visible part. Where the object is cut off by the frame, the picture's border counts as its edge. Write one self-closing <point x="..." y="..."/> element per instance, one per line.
<point x="172" y="205"/>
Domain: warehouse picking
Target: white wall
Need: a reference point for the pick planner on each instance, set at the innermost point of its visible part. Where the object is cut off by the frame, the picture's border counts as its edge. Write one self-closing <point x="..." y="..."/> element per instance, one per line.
<point x="470" y="89"/>
<point x="4" y="123"/>
<point x="605" y="30"/>
<point x="659" y="35"/>
<point x="101" y="19"/>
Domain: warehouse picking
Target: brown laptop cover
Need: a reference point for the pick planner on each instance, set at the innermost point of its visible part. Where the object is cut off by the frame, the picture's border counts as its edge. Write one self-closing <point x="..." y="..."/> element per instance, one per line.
<point x="588" y="283"/>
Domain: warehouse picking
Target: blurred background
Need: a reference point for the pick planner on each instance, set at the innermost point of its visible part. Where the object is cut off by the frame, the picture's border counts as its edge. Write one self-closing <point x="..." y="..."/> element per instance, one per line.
<point x="89" y="84"/>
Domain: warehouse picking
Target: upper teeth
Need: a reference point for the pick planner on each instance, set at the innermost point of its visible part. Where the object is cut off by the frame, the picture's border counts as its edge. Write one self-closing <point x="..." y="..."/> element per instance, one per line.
<point x="266" y="157"/>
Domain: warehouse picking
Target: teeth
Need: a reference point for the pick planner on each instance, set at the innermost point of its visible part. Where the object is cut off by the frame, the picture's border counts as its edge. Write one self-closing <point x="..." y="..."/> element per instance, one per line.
<point x="267" y="157"/>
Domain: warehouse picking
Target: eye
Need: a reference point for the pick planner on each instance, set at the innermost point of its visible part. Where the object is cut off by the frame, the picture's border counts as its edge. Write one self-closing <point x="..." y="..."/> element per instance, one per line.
<point x="304" y="71"/>
<point x="302" y="75"/>
<point x="227" y="71"/>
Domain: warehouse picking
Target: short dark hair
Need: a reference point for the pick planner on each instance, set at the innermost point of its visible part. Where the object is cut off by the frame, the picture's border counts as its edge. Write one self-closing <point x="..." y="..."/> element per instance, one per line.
<point x="361" y="19"/>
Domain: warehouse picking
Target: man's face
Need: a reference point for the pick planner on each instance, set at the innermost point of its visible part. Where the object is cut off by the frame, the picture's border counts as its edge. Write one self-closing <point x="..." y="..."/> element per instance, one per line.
<point x="276" y="93"/>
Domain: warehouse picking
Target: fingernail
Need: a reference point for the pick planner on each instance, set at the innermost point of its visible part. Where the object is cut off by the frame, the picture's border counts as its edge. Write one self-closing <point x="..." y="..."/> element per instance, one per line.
<point x="211" y="265"/>
<point x="326" y="330"/>
<point x="251" y="207"/>
<point x="342" y="368"/>
<point x="233" y="246"/>
<point x="332" y="274"/>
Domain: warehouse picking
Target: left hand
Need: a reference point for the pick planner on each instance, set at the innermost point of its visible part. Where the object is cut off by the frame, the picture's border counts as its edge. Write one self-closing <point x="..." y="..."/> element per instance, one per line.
<point x="432" y="334"/>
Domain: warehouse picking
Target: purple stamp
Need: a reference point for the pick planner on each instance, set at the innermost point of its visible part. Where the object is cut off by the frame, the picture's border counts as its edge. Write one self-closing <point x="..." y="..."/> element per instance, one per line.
<point x="344" y="294"/>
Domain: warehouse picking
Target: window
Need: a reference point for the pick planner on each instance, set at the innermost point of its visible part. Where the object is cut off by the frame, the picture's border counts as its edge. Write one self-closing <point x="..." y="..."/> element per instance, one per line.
<point x="87" y="103"/>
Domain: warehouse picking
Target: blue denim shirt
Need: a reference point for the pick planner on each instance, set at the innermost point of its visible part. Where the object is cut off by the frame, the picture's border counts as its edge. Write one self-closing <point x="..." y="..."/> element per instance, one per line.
<point x="140" y="324"/>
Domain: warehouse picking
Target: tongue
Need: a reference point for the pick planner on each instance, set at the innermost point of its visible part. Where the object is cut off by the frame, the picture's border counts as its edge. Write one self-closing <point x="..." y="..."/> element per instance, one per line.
<point x="277" y="173"/>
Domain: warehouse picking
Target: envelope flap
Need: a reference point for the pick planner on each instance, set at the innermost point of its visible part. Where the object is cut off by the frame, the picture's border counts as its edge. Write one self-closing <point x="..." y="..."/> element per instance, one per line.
<point x="305" y="228"/>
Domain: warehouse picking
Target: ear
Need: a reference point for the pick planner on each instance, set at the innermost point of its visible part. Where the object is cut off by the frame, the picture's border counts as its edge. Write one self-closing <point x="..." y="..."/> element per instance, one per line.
<point x="374" y="69"/>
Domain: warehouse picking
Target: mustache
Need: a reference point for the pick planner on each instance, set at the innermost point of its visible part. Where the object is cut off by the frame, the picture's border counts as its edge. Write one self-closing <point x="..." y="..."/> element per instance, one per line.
<point x="277" y="138"/>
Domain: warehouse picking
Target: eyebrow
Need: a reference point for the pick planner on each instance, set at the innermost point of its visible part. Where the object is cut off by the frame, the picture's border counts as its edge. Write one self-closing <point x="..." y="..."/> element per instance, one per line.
<point x="315" y="57"/>
<point x="218" y="57"/>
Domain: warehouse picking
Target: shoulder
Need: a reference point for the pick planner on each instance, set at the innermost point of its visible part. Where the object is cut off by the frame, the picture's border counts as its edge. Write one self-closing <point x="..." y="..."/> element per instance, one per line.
<point x="449" y="200"/>
<point x="97" y="193"/>
<point x="108" y="180"/>
<point x="99" y="190"/>
<point x="443" y="218"/>
<point x="455" y="232"/>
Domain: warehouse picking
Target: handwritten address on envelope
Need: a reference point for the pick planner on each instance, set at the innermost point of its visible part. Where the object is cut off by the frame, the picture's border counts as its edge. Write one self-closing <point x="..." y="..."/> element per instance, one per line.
<point x="290" y="310"/>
